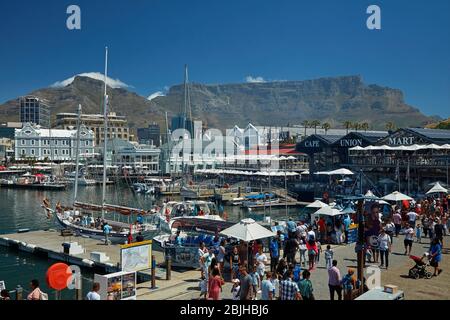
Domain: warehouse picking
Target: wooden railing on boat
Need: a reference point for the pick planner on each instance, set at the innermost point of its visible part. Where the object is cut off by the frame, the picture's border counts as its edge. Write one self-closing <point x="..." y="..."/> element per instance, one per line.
<point x="113" y="208"/>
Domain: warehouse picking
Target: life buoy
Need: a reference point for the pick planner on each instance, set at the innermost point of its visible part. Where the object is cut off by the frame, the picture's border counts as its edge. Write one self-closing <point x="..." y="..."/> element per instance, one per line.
<point x="58" y="276"/>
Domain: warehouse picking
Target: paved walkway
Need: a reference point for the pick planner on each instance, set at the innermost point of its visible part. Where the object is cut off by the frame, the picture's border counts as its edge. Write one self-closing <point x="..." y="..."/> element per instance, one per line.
<point x="184" y="286"/>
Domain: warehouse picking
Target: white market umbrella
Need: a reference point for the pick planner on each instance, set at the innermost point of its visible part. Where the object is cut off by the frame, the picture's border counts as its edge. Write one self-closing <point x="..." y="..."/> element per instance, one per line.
<point x="248" y="230"/>
<point x="437" y="189"/>
<point x="369" y="194"/>
<point x="317" y="204"/>
<point x="397" y="196"/>
<point x="328" y="211"/>
<point x="342" y="172"/>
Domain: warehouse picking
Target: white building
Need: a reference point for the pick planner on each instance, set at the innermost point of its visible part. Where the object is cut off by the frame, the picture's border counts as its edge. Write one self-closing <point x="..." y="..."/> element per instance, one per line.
<point x="136" y="156"/>
<point x="34" y="142"/>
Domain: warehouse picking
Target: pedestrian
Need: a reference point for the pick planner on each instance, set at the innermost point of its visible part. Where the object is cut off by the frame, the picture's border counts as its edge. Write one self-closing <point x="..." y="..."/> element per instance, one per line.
<point x="412" y="216"/>
<point x="246" y="291"/>
<point x="235" y="261"/>
<point x="221" y="255"/>
<point x="261" y="262"/>
<point x="256" y="281"/>
<point x="129" y="238"/>
<point x="267" y="287"/>
<point x="348" y="284"/>
<point x="200" y="253"/>
<point x="289" y="289"/>
<point x="290" y="249"/>
<point x="397" y="219"/>
<point x="384" y="245"/>
<point x="275" y="283"/>
<point x="215" y="284"/>
<point x="36" y="293"/>
<point x="439" y="231"/>
<point x="93" y="294"/>
<point x="203" y="284"/>
<point x="435" y="256"/>
<point x="305" y="286"/>
<point x="312" y="252"/>
<point x="319" y="251"/>
<point x="334" y="281"/>
<point x="302" y="249"/>
<point x="347" y="222"/>
<point x="4" y="295"/>
<point x="282" y="267"/>
<point x="409" y="237"/>
<point x="274" y="253"/>
<point x="390" y="229"/>
<point x="235" y="289"/>
<point x="419" y="233"/>
<point x="328" y="256"/>
<point x="207" y="261"/>
<point x="107" y="230"/>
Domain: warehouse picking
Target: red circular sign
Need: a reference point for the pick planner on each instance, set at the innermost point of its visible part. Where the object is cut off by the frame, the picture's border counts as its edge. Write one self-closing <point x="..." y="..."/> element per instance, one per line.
<point x="58" y="276"/>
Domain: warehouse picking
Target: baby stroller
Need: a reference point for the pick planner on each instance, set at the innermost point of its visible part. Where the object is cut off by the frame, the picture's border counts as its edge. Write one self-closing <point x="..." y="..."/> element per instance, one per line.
<point x="420" y="268"/>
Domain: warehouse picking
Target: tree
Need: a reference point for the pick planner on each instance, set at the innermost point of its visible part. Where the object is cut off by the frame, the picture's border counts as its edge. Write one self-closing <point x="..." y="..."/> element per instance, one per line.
<point x="305" y="124"/>
<point x="315" y="124"/>
<point x="390" y="126"/>
<point x="348" y="125"/>
<point x="365" y="126"/>
<point x="326" y="126"/>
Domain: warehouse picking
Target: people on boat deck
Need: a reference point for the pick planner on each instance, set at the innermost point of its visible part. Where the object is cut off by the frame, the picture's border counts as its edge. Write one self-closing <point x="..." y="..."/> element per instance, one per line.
<point x="140" y="219"/>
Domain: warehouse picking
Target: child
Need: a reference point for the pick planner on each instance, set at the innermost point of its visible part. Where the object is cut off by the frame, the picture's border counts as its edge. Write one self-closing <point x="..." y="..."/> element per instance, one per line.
<point x="203" y="288"/>
<point x="255" y="280"/>
<point x="235" y="290"/>
<point x="276" y="284"/>
<point x="328" y="256"/>
<point x="419" y="233"/>
<point x="319" y="250"/>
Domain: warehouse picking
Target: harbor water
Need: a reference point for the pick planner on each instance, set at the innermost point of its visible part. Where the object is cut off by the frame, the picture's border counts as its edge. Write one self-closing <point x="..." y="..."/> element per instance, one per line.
<point x="21" y="209"/>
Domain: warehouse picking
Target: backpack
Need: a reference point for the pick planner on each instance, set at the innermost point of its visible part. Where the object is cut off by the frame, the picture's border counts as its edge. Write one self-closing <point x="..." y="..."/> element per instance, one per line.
<point x="297" y="271"/>
<point x="43" y="295"/>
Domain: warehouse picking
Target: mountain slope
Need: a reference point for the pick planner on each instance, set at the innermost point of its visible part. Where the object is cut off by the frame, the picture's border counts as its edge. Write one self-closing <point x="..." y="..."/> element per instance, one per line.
<point x="222" y="106"/>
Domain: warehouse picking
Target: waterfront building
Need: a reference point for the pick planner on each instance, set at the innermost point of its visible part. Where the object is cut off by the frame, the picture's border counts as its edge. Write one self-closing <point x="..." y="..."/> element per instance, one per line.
<point x="150" y="135"/>
<point x="117" y="125"/>
<point x="34" y="110"/>
<point x="132" y="155"/>
<point x="37" y="143"/>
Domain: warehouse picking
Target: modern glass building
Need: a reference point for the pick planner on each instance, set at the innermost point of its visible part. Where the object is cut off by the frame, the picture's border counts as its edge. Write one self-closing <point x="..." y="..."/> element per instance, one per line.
<point x="34" y="110"/>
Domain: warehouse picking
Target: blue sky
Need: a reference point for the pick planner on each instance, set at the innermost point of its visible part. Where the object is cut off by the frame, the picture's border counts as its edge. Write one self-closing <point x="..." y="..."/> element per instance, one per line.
<point x="228" y="40"/>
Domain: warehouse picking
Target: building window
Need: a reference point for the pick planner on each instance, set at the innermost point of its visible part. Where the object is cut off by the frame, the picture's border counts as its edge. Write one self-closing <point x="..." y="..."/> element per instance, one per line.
<point x="32" y="152"/>
<point x="33" y="142"/>
<point x="86" y="143"/>
<point x="23" y="142"/>
<point x="23" y="152"/>
<point x="56" y="152"/>
<point x="86" y="151"/>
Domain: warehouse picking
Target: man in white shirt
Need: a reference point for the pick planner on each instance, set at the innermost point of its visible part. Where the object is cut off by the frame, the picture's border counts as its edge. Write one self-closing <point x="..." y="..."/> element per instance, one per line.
<point x="93" y="295"/>
<point x="412" y="216"/>
<point x="384" y="245"/>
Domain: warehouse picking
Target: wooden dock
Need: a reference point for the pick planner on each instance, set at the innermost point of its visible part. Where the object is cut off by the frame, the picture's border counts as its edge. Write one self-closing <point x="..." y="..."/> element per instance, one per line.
<point x="48" y="244"/>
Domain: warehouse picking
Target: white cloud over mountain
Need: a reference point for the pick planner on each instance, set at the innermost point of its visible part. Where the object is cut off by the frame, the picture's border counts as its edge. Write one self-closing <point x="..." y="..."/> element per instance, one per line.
<point x="156" y="95"/>
<point x="113" y="83"/>
<point x="251" y="79"/>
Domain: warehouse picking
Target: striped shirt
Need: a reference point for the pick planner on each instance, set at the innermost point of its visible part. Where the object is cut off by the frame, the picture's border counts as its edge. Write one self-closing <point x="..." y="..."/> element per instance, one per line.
<point x="288" y="289"/>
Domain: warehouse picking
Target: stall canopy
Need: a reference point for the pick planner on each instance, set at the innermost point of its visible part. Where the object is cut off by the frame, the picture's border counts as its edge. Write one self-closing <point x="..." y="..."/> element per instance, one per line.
<point x="342" y="172"/>
<point x="248" y="230"/>
<point x="397" y="196"/>
<point x="317" y="204"/>
<point x="437" y="189"/>
<point x="328" y="211"/>
<point x="413" y="147"/>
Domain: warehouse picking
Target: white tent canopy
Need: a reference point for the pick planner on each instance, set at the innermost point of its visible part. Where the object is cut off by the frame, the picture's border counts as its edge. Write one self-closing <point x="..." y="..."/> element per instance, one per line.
<point x="248" y="230"/>
<point x="317" y="204"/>
<point x="342" y="172"/>
<point x="437" y="188"/>
<point x="397" y="196"/>
<point x="413" y="147"/>
<point x="328" y="211"/>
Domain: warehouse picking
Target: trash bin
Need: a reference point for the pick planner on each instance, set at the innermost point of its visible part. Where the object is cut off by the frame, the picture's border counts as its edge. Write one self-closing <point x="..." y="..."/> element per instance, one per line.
<point x="66" y="248"/>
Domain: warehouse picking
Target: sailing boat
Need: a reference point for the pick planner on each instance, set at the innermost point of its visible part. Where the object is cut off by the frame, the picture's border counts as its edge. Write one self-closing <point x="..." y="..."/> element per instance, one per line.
<point x="80" y="217"/>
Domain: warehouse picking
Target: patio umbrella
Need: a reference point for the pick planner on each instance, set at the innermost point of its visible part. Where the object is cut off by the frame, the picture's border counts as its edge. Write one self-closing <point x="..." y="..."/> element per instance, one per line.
<point x="317" y="204"/>
<point x="248" y="230"/>
<point x="437" y="189"/>
<point x="342" y="172"/>
<point x="387" y="181"/>
<point x="328" y="211"/>
<point x="397" y="196"/>
<point x="348" y="210"/>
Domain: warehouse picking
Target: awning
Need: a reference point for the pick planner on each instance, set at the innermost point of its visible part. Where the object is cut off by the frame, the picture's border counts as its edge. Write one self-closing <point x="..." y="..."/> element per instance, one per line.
<point x="397" y="196"/>
<point x="248" y="230"/>
<point x="437" y="189"/>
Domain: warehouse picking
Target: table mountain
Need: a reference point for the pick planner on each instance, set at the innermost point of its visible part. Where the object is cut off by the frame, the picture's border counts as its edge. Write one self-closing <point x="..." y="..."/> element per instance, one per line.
<point x="333" y="100"/>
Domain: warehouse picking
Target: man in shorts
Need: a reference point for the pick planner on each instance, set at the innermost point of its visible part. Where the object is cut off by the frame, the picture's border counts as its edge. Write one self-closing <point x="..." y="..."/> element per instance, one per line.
<point x="409" y="237"/>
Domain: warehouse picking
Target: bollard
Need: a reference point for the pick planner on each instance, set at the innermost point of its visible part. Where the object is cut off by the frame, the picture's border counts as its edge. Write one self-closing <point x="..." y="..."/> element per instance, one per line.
<point x="168" y="267"/>
<point x="19" y="293"/>
<point x="153" y="272"/>
<point x="78" y="289"/>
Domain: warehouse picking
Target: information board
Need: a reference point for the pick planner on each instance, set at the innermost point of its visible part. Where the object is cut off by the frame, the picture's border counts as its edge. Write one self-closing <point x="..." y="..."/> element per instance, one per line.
<point x="136" y="256"/>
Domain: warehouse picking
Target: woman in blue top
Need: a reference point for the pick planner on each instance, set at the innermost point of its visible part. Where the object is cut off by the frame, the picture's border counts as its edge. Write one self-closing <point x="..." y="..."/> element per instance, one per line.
<point x="435" y="256"/>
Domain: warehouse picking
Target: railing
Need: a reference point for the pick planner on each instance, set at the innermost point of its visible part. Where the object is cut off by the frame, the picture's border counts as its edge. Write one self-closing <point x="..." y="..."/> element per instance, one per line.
<point x="392" y="161"/>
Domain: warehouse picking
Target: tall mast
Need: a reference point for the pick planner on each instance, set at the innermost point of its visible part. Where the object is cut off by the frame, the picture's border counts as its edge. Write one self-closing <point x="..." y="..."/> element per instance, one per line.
<point x="105" y="132"/>
<point x="77" y="155"/>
